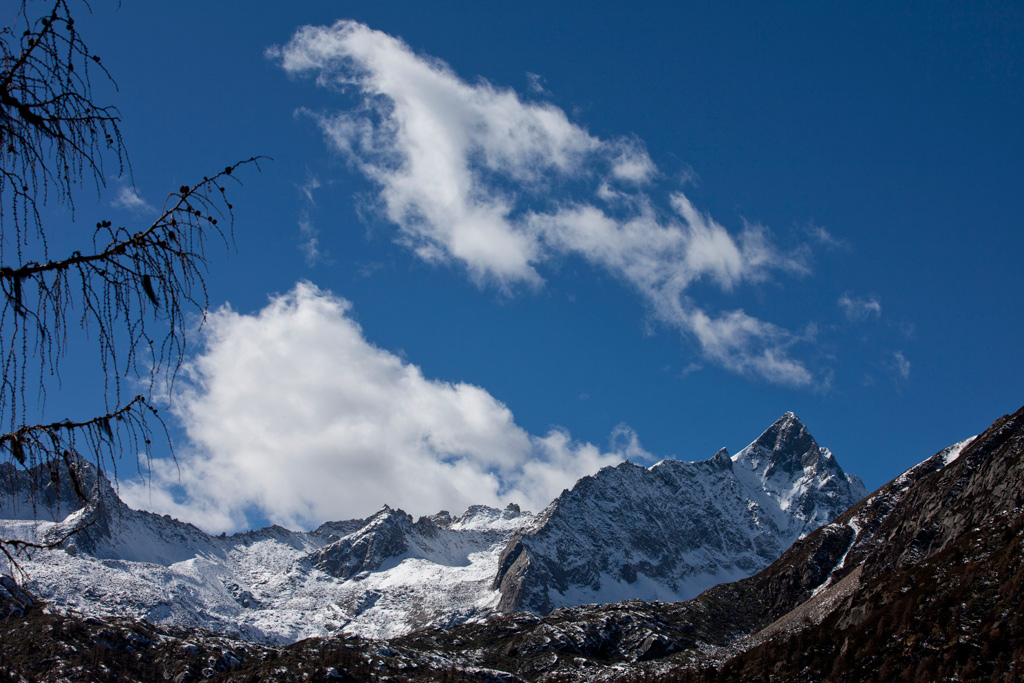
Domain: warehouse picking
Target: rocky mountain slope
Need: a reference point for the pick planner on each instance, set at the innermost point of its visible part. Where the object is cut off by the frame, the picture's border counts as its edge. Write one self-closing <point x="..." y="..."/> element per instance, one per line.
<point x="665" y="532"/>
<point x="673" y="530"/>
<point x="922" y="580"/>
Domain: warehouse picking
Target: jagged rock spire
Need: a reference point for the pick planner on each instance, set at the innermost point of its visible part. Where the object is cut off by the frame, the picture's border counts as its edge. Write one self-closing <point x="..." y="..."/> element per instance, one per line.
<point x="785" y="447"/>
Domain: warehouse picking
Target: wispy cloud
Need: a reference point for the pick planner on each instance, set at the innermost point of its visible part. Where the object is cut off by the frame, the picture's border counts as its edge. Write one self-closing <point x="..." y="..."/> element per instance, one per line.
<point x="473" y="174"/>
<point x="901" y="365"/>
<point x="859" y="309"/>
<point x="294" y="415"/>
<point x="626" y="441"/>
<point x="310" y="244"/>
<point x="536" y="83"/>
<point x="307" y="189"/>
<point x="825" y="238"/>
<point x="129" y="198"/>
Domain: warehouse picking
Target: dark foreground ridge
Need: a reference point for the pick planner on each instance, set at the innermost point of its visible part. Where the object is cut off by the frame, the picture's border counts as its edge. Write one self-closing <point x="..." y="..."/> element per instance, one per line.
<point x="921" y="581"/>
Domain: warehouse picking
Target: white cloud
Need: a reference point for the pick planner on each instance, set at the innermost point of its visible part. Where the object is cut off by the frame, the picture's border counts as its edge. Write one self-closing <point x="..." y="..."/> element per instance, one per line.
<point x="858" y="309"/>
<point x="901" y="364"/>
<point x="730" y="339"/>
<point x="129" y="198"/>
<point x="293" y="415"/>
<point x="632" y="163"/>
<point x="825" y="238"/>
<point x="473" y="174"/>
<point x="661" y="262"/>
<point x="310" y="244"/>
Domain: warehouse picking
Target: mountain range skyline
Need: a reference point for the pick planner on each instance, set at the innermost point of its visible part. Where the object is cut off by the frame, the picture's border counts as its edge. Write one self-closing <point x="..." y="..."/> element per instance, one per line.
<point x="920" y="578"/>
<point x="667" y="532"/>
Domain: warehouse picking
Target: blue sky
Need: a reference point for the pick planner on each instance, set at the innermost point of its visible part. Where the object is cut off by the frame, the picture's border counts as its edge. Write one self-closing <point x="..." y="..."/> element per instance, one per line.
<point x="499" y="246"/>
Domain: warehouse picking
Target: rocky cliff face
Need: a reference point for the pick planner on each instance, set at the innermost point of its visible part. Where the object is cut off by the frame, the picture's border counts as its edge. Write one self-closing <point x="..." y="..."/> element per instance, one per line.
<point x="670" y="531"/>
<point x="50" y="491"/>
<point x="384" y="536"/>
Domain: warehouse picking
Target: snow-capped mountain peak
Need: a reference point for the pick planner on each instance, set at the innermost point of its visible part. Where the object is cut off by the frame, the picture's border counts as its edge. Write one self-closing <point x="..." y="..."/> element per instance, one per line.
<point x="672" y="530"/>
<point x="784" y="448"/>
<point x="804" y="481"/>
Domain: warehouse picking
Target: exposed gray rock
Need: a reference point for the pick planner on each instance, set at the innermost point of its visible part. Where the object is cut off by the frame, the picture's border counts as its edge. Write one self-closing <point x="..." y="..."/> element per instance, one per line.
<point x="672" y="530"/>
<point x="383" y="537"/>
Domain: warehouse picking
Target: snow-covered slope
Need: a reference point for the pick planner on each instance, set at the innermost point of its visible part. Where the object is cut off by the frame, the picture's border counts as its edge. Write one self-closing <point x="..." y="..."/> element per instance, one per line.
<point x="794" y="479"/>
<point x="673" y="530"/>
<point x="662" y="533"/>
<point x="382" y="576"/>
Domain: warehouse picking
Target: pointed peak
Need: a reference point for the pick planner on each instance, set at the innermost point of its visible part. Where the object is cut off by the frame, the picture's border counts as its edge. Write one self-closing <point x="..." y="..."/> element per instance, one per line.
<point x="789" y="417"/>
<point x="388" y="513"/>
<point x="722" y="459"/>
<point x="785" y="446"/>
<point x="787" y="428"/>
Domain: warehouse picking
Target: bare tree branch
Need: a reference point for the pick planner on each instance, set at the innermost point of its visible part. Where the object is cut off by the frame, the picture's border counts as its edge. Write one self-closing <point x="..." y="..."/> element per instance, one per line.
<point x="14" y="549"/>
<point x="52" y="134"/>
<point x="130" y="278"/>
<point x="130" y="292"/>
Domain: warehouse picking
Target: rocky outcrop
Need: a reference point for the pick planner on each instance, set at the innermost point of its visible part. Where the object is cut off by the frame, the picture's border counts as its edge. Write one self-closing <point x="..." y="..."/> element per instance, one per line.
<point x="384" y="536"/>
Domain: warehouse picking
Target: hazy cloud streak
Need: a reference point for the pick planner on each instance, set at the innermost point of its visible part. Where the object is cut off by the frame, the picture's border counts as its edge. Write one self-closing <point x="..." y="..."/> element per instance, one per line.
<point x="310" y="244"/>
<point x="859" y="309"/>
<point x="901" y="364"/>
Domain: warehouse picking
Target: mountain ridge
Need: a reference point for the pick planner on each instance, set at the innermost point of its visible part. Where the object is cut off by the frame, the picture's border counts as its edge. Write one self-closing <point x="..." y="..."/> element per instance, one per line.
<point x="715" y="520"/>
<point x="659" y="532"/>
<point x="825" y="609"/>
<point x="921" y="580"/>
